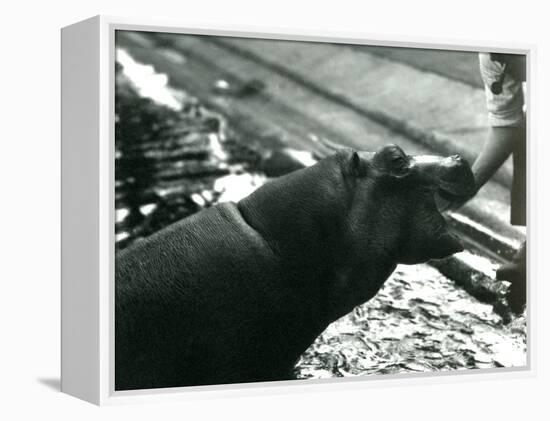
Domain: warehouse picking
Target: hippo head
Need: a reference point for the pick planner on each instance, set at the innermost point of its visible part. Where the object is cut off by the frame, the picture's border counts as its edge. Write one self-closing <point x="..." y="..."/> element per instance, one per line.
<point x="393" y="200"/>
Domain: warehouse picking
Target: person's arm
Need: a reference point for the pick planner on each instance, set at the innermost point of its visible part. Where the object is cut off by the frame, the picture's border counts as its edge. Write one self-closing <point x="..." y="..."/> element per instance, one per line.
<point x="498" y="147"/>
<point x="506" y="126"/>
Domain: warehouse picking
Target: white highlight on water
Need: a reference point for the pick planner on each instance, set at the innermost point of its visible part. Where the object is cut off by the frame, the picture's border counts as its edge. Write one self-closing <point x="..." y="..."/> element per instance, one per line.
<point x="147" y="209"/>
<point x="234" y="187"/>
<point x="216" y="147"/>
<point x="121" y="214"/>
<point x="148" y="82"/>
<point x="304" y="157"/>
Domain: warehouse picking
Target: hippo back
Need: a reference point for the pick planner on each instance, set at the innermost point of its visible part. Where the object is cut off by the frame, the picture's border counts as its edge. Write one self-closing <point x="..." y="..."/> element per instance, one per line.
<point x="215" y="311"/>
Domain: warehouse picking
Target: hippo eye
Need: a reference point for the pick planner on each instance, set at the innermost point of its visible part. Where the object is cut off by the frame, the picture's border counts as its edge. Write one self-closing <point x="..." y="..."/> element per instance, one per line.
<point x="398" y="161"/>
<point x="392" y="159"/>
<point x="399" y="165"/>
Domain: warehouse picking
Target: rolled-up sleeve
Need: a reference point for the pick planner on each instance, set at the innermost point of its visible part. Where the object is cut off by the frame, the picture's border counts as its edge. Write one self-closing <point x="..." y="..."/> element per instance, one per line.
<point x="504" y="109"/>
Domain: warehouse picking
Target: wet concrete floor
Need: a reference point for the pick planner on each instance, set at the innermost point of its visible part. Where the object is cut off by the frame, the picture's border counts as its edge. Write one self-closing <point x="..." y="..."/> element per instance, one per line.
<point x="420" y="321"/>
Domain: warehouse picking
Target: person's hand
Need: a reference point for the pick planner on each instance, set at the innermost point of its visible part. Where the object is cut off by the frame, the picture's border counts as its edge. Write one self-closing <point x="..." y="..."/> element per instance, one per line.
<point x="515" y="273"/>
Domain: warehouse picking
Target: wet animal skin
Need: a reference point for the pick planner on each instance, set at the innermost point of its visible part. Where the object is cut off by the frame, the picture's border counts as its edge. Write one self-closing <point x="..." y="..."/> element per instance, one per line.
<point x="237" y="292"/>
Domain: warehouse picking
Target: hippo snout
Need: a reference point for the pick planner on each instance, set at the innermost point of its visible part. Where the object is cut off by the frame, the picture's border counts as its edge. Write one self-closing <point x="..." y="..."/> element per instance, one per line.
<point x="456" y="177"/>
<point x="452" y="174"/>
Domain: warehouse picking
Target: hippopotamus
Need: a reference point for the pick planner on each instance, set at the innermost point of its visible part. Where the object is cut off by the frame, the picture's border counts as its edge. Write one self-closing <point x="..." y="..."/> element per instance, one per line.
<point x="237" y="292"/>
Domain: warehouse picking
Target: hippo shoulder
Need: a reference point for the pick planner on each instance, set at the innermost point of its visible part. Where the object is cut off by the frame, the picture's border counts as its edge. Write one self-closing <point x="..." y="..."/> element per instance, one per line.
<point x="228" y="214"/>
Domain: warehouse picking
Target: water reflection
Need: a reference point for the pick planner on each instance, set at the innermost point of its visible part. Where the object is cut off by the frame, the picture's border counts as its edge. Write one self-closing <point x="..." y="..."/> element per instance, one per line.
<point x="170" y="153"/>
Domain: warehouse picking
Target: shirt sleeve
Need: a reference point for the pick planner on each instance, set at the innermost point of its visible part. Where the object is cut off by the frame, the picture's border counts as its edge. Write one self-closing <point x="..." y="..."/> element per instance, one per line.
<point x="506" y="108"/>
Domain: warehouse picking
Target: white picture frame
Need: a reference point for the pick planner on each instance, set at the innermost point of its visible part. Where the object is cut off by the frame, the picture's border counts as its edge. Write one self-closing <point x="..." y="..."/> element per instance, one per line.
<point x="88" y="213"/>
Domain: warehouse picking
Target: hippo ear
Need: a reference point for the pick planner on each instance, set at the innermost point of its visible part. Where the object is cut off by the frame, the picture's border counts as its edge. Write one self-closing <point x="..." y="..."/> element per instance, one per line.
<point x="357" y="166"/>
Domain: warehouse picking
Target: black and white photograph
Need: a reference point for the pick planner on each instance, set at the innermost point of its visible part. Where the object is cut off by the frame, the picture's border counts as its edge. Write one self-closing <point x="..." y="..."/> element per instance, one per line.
<point x="289" y="210"/>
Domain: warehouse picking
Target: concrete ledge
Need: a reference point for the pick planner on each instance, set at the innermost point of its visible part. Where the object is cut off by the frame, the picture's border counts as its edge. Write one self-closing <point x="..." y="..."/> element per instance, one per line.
<point x="475" y="274"/>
